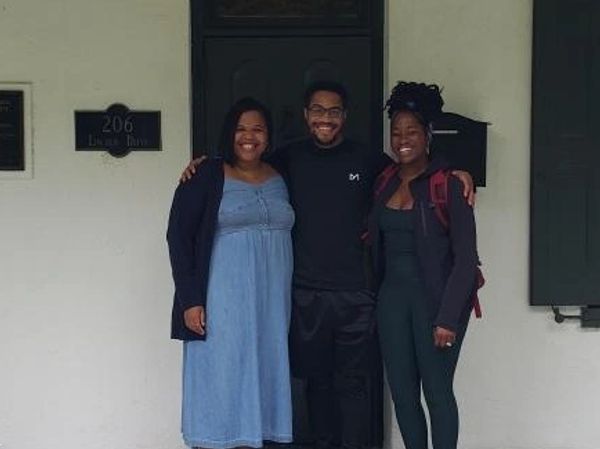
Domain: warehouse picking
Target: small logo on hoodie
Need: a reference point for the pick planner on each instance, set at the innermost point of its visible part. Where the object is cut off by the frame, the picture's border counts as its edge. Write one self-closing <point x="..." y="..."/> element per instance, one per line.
<point x="353" y="176"/>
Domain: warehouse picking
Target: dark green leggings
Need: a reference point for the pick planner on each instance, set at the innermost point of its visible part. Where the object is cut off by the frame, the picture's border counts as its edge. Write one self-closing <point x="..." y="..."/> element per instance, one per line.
<point x="412" y="361"/>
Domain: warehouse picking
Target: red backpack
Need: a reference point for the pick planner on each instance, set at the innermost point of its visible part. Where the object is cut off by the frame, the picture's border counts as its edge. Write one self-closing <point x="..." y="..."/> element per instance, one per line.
<point x="438" y="193"/>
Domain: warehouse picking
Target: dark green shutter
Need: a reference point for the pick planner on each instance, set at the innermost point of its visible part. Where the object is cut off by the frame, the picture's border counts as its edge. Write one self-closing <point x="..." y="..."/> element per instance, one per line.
<point x="565" y="164"/>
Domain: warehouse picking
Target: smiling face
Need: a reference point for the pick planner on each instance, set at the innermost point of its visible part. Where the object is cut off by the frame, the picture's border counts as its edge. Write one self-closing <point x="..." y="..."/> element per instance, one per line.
<point x="251" y="137"/>
<point x="325" y="117"/>
<point x="408" y="138"/>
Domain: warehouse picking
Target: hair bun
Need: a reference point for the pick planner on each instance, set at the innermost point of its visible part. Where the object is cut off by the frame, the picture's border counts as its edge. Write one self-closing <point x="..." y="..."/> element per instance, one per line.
<point x="423" y="99"/>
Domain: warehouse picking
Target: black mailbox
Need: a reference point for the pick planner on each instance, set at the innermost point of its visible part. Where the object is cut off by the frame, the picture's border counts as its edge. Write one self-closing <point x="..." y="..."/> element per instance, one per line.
<point x="463" y="142"/>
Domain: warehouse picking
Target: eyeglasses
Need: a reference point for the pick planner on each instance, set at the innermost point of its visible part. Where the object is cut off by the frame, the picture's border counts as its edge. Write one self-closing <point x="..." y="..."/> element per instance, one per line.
<point x="319" y="111"/>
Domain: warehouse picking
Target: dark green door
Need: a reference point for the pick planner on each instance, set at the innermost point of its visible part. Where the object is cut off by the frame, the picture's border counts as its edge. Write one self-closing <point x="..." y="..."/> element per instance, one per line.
<point x="272" y="50"/>
<point x="264" y="50"/>
<point x="565" y="165"/>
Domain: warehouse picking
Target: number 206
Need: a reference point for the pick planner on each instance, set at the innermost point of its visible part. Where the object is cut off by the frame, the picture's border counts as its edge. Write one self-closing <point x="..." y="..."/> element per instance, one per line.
<point x="116" y="124"/>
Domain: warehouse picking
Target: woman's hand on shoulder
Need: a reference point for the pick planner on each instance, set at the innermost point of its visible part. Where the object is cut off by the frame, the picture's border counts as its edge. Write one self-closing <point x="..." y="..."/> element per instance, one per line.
<point x="468" y="186"/>
<point x="190" y="170"/>
<point x="195" y="319"/>
<point x="443" y="338"/>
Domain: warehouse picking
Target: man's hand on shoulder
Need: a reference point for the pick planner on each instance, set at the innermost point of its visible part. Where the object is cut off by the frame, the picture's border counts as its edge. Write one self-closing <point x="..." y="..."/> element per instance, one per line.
<point x="190" y="170"/>
<point x="468" y="186"/>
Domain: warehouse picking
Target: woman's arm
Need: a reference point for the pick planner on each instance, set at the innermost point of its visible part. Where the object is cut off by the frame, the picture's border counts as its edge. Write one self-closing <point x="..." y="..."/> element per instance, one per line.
<point x="185" y="218"/>
<point x="461" y="282"/>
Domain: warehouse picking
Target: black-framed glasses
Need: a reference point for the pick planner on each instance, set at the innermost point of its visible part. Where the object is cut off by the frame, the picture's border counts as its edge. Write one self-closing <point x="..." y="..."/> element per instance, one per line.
<point x="319" y="111"/>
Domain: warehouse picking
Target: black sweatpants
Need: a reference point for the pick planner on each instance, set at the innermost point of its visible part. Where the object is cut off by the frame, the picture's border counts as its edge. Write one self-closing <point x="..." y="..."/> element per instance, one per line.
<point x="333" y="346"/>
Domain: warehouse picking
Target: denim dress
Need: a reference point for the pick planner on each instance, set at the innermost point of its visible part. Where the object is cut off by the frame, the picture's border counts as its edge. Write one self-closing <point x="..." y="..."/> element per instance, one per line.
<point x="236" y="384"/>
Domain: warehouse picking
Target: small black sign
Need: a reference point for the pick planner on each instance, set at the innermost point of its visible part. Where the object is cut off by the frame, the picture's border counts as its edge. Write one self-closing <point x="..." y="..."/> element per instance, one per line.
<point x="117" y="130"/>
<point x="12" y="129"/>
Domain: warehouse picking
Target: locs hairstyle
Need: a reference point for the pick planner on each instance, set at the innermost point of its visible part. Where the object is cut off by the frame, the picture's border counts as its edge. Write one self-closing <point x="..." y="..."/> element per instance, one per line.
<point x="230" y="123"/>
<point x="327" y="86"/>
<point x="423" y="100"/>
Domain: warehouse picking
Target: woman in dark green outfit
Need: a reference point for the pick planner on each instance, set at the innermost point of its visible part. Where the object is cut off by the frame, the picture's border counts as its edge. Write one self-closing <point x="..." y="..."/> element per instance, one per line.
<point x="426" y="273"/>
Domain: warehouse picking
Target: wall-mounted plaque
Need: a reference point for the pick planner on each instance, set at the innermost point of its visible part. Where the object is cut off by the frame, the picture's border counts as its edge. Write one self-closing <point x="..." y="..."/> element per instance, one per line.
<point x="117" y="130"/>
<point x="12" y="128"/>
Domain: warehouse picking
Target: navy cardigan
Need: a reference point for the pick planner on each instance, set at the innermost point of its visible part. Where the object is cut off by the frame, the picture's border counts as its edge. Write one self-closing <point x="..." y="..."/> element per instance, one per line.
<point x="192" y="224"/>
<point x="447" y="257"/>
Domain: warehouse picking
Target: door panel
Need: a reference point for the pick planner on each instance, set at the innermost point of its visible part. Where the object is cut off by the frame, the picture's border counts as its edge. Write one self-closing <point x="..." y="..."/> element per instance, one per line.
<point x="276" y="72"/>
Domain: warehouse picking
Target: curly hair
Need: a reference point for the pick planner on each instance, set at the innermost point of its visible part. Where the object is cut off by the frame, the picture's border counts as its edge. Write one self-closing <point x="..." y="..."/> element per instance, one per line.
<point x="327" y="86"/>
<point x="423" y="100"/>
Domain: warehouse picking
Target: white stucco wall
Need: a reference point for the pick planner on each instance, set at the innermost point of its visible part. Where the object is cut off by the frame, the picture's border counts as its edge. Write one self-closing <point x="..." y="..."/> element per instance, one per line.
<point x="85" y="359"/>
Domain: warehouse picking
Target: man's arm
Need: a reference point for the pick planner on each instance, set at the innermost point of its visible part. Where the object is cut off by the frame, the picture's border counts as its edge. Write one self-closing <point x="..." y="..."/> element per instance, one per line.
<point x="467" y="184"/>
<point x="277" y="159"/>
<point x="465" y="178"/>
<point x="190" y="170"/>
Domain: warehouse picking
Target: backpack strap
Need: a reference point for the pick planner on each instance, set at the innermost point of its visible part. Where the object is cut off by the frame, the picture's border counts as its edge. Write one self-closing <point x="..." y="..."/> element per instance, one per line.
<point x="438" y="193"/>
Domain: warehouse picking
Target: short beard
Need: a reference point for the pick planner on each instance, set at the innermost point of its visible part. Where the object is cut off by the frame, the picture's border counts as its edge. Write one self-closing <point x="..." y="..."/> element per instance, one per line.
<point x="339" y="137"/>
